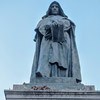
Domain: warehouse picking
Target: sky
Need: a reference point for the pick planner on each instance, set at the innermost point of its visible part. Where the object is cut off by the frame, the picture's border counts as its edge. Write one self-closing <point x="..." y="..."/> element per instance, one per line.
<point x="18" y="19"/>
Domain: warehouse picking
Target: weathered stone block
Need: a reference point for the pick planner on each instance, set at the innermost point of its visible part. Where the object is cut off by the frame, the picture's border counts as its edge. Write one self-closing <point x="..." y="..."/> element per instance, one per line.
<point x="51" y="95"/>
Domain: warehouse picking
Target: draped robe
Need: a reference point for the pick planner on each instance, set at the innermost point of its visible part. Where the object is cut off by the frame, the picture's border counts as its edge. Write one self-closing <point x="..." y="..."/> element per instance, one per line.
<point x="56" y="57"/>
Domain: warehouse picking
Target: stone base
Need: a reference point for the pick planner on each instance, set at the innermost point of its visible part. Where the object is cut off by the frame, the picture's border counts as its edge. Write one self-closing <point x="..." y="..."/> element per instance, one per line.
<point x="51" y="95"/>
<point x="52" y="89"/>
<point x="53" y="86"/>
<point x="57" y="83"/>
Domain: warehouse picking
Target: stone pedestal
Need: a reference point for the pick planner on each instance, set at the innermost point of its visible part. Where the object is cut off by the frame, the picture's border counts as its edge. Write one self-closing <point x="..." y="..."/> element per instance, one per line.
<point x="51" y="95"/>
<point x="52" y="89"/>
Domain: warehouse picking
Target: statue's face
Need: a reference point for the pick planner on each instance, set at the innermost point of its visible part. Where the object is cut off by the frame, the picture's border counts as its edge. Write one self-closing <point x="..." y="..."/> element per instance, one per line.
<point x="54" y="9"/>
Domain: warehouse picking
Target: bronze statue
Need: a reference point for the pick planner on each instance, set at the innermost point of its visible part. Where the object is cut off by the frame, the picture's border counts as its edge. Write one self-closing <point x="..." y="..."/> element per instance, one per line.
<point x="56" y="52"/>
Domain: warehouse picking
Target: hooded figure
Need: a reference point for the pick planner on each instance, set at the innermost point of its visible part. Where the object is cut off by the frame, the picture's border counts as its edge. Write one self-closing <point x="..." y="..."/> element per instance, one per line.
<point x="56" y="52"/>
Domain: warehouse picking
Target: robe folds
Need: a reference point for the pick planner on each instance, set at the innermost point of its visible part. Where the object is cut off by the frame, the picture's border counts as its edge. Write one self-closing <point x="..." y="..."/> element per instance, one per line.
<point x="59" y="50"/>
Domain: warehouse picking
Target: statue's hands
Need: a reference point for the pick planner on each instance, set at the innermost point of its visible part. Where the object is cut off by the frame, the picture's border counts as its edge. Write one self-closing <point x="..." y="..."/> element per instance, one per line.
<point x="57" y="24"/>
<point x="54" y="23"/>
